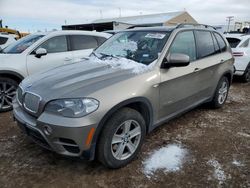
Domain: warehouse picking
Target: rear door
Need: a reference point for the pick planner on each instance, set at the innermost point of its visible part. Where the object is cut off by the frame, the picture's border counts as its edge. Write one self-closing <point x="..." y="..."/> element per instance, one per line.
<point x="57" y="55"/>
<point x="82" y="46"/>
<point x="209" y="58"/>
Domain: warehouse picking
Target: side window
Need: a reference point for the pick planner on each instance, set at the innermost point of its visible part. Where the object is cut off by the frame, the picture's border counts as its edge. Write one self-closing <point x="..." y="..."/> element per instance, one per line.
<point x="100" y="40"/>
<point x="3" y="40"/>
<point x="216" y="45"/>
<point x="184" y="43"/>
<point x="82" y="42"/>
<point x="55" y="44"/>
<point x="245" y="44"/>
<point x="205" y="44"/>
<point x="221" y="42"/>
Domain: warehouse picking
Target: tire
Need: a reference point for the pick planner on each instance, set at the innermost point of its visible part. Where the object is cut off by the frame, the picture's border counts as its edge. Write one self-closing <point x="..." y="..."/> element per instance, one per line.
<point x="246" y="75"/>
<point x="108" y="154"/>
<point x="7" y="92"/>
<point x="221" y="93"/>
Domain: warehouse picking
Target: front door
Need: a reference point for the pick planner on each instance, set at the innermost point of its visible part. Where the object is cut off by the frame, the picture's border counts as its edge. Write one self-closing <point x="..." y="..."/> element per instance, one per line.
<point x="178" y="88"/>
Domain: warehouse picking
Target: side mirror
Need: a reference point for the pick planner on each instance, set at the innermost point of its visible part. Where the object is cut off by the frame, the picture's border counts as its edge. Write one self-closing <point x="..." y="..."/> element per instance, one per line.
<point x="176" y="60"/>
<point x="40" y="52"/>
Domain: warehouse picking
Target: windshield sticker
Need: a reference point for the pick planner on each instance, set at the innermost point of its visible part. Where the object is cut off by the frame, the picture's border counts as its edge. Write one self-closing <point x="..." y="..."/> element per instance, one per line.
<point x="155" y="35"/>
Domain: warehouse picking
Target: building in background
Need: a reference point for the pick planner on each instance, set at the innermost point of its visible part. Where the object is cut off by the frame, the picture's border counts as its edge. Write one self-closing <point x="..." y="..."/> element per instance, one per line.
<point x="163" y="19"/>
<point x="234" y="27"/>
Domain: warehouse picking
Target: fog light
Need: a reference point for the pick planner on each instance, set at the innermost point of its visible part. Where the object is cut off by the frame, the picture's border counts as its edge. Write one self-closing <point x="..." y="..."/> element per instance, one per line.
<point x="47" y="130"/>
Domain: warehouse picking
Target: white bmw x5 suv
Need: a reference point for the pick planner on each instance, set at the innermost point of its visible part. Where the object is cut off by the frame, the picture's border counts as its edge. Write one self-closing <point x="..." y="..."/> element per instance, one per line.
<point x="39" y="52"/>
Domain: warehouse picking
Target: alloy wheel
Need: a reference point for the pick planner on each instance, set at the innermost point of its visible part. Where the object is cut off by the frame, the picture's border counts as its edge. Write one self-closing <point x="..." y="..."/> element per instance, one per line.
<point x="7" y="93"/>
<point x="223" y="92"/>
<point x="126" y="139"/>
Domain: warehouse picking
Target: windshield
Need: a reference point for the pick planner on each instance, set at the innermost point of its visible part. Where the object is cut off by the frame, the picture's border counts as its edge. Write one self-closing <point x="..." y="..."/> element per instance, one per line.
<point x="233" y="42"/>
<point x="22" y="44"/>
<point x="140" y="46"/>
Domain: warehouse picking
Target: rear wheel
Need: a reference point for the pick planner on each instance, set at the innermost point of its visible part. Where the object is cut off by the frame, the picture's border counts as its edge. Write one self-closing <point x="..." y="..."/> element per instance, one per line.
<point x="246" y="75"/>
<point x="121" y="138"/>
<point x="7" y="92"/>
<point x="221" y="93"/>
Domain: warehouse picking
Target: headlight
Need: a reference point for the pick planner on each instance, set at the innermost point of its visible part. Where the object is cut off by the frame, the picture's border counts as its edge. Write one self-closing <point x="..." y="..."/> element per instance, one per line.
<point x="72" y="107"/>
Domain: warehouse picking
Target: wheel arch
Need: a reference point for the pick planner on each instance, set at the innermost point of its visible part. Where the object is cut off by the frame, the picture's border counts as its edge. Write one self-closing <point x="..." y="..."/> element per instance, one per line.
<point x="140" y="104"/>
<point x="12" y="75"/>
<point x="229" y="76"/>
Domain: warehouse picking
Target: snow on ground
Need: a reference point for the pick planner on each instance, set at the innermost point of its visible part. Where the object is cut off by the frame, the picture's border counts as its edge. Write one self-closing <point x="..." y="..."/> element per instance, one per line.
<point x="219" y="173"/>
<point x="237" y="163"/>
<point x="243" y="134"/>
<point x="167" y="159"/>
<point x="122" y="63"/>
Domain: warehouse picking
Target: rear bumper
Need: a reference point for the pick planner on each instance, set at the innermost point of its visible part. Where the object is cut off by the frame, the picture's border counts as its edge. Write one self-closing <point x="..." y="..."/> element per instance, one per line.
<point x="240" y="64"/>
<point x="62" y="139"/>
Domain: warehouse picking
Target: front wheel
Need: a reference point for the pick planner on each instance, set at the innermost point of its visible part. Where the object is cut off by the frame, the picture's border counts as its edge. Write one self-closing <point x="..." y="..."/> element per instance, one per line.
<point x="7" y="92"/>
<point x="121" y="138"/>
<point x="221" y="93"/>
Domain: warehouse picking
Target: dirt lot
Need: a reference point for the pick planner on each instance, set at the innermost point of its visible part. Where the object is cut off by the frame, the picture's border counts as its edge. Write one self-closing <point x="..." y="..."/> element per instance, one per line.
<point x="217" y="141"/>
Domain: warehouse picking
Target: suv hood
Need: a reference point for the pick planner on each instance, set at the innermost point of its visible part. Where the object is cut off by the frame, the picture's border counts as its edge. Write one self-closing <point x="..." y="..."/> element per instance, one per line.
<point x="75" y="80"/>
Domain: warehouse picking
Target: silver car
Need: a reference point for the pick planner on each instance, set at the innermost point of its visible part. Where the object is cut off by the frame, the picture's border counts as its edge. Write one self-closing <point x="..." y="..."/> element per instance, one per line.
<point x="137" y="80"/>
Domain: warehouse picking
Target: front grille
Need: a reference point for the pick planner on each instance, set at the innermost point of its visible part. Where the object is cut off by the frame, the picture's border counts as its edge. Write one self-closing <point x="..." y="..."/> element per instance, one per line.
<point x="31" y="102"/>
<point x="20" y="95"/>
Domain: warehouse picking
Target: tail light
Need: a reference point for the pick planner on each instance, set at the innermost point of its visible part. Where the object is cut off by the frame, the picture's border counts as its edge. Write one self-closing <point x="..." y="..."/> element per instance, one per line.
<point x="238" y="54"/>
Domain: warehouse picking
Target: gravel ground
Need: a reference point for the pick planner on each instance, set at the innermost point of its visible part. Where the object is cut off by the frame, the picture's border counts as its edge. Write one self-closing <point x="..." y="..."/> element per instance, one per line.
<point x="217" y="144"/>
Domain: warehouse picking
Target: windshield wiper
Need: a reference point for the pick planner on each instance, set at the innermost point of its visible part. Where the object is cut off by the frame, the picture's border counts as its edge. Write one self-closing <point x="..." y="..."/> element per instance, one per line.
<point x="109" y="55"/>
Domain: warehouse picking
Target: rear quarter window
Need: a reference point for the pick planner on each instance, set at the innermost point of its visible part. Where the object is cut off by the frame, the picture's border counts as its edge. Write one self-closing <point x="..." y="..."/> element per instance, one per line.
<point x="245" y="44"/>
<point x="221" y="42"/>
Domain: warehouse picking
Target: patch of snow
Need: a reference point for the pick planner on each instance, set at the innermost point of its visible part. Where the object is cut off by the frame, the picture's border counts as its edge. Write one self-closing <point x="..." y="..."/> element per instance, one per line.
<point x="243" y="134"/>
<point x="237" y="163"/>
<point x="219" y="174"/>
<point x="168" y="159"/>
<point x="122" y="63"/>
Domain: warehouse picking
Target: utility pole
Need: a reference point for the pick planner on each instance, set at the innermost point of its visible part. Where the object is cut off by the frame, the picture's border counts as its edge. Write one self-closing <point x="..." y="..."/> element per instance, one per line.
<point x="229" y="19"/>
<point x="120" y="12"/>
<point x="101" y="14"/>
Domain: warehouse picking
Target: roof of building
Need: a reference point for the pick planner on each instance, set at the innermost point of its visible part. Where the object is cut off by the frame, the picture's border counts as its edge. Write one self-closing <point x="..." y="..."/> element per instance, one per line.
<point x="142" y="19"/>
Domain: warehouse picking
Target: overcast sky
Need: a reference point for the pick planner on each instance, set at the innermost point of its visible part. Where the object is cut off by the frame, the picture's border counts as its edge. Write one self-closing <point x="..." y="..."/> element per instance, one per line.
<point x="33" y="15"/>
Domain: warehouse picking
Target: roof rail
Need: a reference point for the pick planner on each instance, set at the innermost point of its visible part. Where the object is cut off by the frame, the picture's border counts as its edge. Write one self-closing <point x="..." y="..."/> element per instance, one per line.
<point x="182" y="25"/>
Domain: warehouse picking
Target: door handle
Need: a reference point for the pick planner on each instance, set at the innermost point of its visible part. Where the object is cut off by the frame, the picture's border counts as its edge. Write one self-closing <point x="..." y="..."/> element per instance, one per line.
<point x="197" y="69"/>
<point x="222" y="60"/>
<point x="67" y="59"/>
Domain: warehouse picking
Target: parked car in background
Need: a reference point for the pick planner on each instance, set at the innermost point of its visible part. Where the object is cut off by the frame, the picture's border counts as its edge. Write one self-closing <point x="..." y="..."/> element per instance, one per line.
<point x="5" y="40"/>
<point x="241" y="50"/>
<point x="42" y="51"/>
<point x="138" y="79"/>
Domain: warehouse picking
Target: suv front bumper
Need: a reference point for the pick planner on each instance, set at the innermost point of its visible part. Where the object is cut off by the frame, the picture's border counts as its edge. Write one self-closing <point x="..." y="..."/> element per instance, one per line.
<point x="72" y="140"/>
